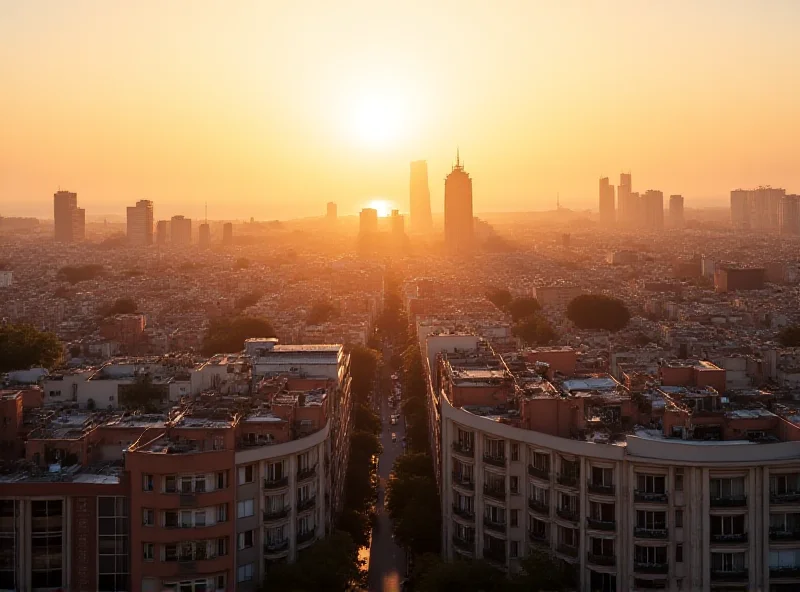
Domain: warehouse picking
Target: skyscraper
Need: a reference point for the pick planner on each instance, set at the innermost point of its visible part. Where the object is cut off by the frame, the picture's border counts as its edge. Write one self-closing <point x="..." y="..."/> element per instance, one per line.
<point x="368" y="222"/>
<point x="608" y="212"/>
<point x="227" y="233"/>
<point x="676" y="211"/>
<point x="204" y="237"/>
<point x="69" y="219"/>
<point x="758" y="209"/>
<point x="626" y="204"/>
<point x="180" y="230"/>
<point x="651" y="210"/>
<point x="420" y="197"/>
<point x="398" y="224"/>
<point x="458" y="218"/>
<point x="161" y="232"/>
<point x="332" y="212"/>
<point x="790" y="215"/>
<point x="140" y="223"/>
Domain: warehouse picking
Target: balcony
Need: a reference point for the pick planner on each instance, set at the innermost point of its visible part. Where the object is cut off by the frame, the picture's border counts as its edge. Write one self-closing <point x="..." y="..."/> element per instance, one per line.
<point x="607" y="525"/>
<point x="188" y="500"/>
<point x="306" y="473"/>
<point x="463" y="513"/>
<point x="463" y="544"/>
<point x="490" y="524"/>
<point x="729" y="576"/>
<point x="271" y="516"/>
<point x="787" y="497"/>
<point x="306" y="504"/>
<point x="567" y="479"/>
<point x="787" y="571"/>
<point x="567" y="514"/>
<point x="304" y="537"/>
<point x="600" y="488"/>
<point x="567" y="550"/>
<point x="657" y="532"/>
<point x="463" y="481"/>
<point x="606" y="560"/>
<point x="539" y="538"/>
<point x="539" y="507"/>
<point x="650" y="497"/>
<point x="729" y="501"/>
<point x="651" y="568"/>
<point x="540" y="473"/>
<point x="463" y="450"/>
<point x="495" y="555"/>
<point x="497" y="461"/>
<point x="739" y="537"/>
<point x="276" y="483"/>
<point x="784" y="535"/>
<point x="494" y="493"/>
<point x="275" y="547"/>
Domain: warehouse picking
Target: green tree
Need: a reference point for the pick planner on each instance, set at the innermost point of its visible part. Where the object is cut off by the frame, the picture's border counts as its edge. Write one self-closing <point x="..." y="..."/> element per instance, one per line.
<point x="366" y="419"/>
<point x="500" y="297"/>
<point x="363" y="368"/>
<point x="241" y="263"/>
<point x="142" y="395"/>
<point x="79" y="273"/>
<point x="412" y="502"/>
<point x="435" y="575"/>
<point x="321" y="312"/>
<point x="247" y="300"/>
<point x="534" y="330"/>
<point x="790" y="336"/>
<point x="521" y="308"/>
<point x="229" y="335"/>
<point x="541" y="572"/>
<point x="125" y="305"/>
<point x="598" y="312"/>
<point x="23" y="347"/>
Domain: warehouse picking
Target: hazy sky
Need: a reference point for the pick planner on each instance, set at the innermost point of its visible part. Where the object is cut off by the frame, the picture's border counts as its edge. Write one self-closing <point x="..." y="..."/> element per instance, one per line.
<point x="272" y="108"/>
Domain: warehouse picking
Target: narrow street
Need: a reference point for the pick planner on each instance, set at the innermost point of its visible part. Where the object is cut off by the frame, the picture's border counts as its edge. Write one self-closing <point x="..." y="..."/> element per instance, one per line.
<point x="387" y="560"/>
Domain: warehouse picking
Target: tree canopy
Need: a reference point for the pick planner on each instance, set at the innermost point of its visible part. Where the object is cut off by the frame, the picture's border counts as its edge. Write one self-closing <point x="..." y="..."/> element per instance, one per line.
<point x="500" y="297"/>
<point x="598" y="312"/>
<point x="23" y="347"/>
<point x="534" y="330"/>
<point x="321" y="312"/>
<point x="790" y="336"/>
<point x="521" y="308"/>
<point x="412" y="502"/>
<point x="363" y="366"/>
<point x="125" y="305"/>
<point x="142" y="395"/>
<point x="229" y="335"/>
<point x="79" y="273"/>
<point x="247" y="300"/>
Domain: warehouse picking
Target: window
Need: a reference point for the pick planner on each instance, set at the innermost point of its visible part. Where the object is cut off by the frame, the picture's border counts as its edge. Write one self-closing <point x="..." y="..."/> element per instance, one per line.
<point x="222" y="479"/>
<point x="244" y="508"/>
<point x="147" y="483"/>
<point x="651" y="483"/>
<point x="728" y="562"/>
<point x="171" y="519"/>
<point x="112" y="544"/>
<point x="514" y="550"/>
<point x="222" y="546"/>
<point x="651" y="520"/>
<point x="679" y="553"/>
<point x="514" y="484"/>
<point x="727" y="525"/>
<point x="221" y="582"/>
<point x="568" y="502"/>
<point x="245" y="573"/>
<point x="727" y="488"/>
<point x="170" y="484"/>
<point x="568" y="536"/>
<point x="514" y="517"/>
<point x="148" y="551"/>
<point x="245" y="474"/>
<point x="515" y="452"/>
<point x="601" y="547"/>
<point x="465" y="439"/>
<point x="222" y="513"/>
<point x="649" y="555"/>
<point x="602" y="476"/>
<point x="245" y="539"/>
<point x="541" y="495"/>
<point x="678" y="479"/>
<point x="148" y="517"/>
<point x="495" y="514"/>
<point x="200" y="518"/>
<point x="679" y="518"/>
<point x="275" y="471"/>
<point x="541" y="462"/>
<point x="494" y="449"/>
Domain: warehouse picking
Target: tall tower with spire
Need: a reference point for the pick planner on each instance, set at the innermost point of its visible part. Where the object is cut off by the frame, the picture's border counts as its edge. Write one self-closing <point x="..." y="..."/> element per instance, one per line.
<point x="420" y="198"/>
<point x="458" y="217"/>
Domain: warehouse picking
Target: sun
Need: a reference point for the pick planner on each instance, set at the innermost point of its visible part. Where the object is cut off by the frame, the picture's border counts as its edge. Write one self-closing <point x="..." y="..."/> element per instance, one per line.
<point x="378" y="120"/>
<point x="383" y="206"/>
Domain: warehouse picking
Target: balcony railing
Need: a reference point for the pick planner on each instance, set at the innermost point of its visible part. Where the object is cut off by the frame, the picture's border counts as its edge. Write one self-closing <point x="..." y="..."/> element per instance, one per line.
<point x="463" y="544"/>
<point x="304" y="537"/>
<point x="494" y="492"/>
<point x="463" y="450"/>
<point x="188" y="500"/>
<point x="609" y="525"/>
<point x="539" y="507"/>
<point x="495" y="555"/>
<point x="276" y="483"/>
<point x="463" y="481"/>
<point x="787" y="497"/>
<point x="567" y="479"/>
<point x="651" y="568"/>
<point x="567" y="550"/>
<point x="600" y="488"/>
<point x="650" y="497"/>
<point x="490" y="524"/>
<point x="497" y="461"/>
<point x="271" y="515"/>
<point x="306" y="504"/>
<point x="463" y="513"/>
<point x="784" y="535"/>
<point x="276" y="546"/>
<point x="729" y="576"/>
<point x="306" y="473"/>
<point x="608" y="560"/>
<point x="739" y="537"/>
<point x="728" y="501"/>
<point x="657" y="532"/>
<point x="788" y="571"/>
<point x="539" y="538"/>
<point x="567" y="514"/>
<point x="537" y="472"/>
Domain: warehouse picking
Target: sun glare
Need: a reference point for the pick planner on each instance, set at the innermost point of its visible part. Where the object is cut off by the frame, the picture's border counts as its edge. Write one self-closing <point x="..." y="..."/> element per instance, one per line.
<point x="383" y="206"/>
<point x="378" y="121"/>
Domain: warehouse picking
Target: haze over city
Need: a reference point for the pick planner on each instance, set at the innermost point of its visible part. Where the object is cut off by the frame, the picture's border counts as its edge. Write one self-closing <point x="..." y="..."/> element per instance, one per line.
<point x="235" y="104"/>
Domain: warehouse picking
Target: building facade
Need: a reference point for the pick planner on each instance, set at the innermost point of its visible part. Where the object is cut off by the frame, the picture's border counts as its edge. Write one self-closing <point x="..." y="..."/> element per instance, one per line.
<point x="676" y="211"/>
<point x="608" y="211"/>
<point x="69" y="219"/>
<point x="459" y="222"/>
<point x="368" y="222"/>
<point x="420" y="198"/>
<point x="140" y="223"/>
<point x="180" y="230"/>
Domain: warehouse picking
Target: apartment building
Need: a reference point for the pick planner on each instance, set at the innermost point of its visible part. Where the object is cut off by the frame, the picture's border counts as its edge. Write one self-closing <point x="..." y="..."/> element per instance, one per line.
<point x="672" y="488"/>
<point x="204" y="497"/>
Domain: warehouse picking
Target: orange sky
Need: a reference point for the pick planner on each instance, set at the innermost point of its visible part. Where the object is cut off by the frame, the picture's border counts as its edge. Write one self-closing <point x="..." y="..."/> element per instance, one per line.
<point x="270" y="109"/>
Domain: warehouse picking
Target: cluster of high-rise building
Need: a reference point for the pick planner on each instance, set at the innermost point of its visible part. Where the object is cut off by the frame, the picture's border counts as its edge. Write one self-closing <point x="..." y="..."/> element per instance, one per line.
<point x="765" y="208"/>
<point x="69" y="219"/>
<point x="637" y="210"/>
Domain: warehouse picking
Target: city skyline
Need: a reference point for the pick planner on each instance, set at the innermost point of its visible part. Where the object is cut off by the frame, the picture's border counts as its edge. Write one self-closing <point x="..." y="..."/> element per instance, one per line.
<point x="272" y="103"/>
